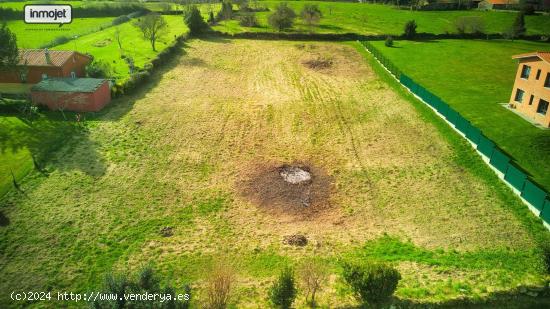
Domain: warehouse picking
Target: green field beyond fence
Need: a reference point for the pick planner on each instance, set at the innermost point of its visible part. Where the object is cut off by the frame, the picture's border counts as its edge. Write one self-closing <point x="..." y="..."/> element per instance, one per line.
<point x="536" y="197"/>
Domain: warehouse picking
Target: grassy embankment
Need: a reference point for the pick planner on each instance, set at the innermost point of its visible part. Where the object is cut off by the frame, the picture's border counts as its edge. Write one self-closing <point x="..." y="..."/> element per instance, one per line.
<point x="342" y="17"/>
<point x="475" y="78"/>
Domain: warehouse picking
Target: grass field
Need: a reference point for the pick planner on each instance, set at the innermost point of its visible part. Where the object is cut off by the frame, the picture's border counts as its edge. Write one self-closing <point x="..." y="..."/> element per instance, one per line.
<point x="102" y="44"/>
<point x="383" y="19"/>
<point x="405" y="188"/>
<point x="35" y="36"/>
<point x="476" y="86"/>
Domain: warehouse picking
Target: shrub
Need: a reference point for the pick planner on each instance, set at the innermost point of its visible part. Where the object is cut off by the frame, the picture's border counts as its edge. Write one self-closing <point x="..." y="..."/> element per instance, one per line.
<point x="311" y="14"/>
<point x="211" y="18"/>
<point x="120" y="20"/>
<point x="194" y="21"/>
<point x="312" y="275"/>
<point x="226" y="12"/>
<point x="283" y="291"/>
<point x="145" y="281"/>
<point x="99" y="69"/>
<point x="136" y="14"/>
<point x="469" y="24"/>
<point x="219" y="287"/>
<point x="248" y="20"/>
<point x="372" y="283"/>
<point x="62" y="39"/>
<point x="528" y="9"/>
<point x="546" y="254"/>
<point x="282" y="18"/>
<point x="389" y="41"/>
<point x="410" y="29"/>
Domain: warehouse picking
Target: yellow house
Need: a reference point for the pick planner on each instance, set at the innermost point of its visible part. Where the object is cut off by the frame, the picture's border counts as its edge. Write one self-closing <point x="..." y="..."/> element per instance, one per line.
<point x="531" y="93"/>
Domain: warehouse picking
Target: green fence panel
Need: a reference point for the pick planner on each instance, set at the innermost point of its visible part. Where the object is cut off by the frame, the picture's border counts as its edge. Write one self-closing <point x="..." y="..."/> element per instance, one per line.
<point x="499" y="161"/>
<point x="443" y="109"/>
<point x="534" y="195"/>
<point x="452" y="116"/>
<point x="515" y="177"/>
<point x="462" y="124"/>
<point x="437" y="103"/>
<point x="486" y="146"/>
<point x="473" y="134"/>
<point x="545" y="213"/>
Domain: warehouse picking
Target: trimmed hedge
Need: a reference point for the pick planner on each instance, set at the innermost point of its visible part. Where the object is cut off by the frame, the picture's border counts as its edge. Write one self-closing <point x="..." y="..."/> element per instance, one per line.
<point x="144" y="75"/>
<point x="360" y="37"/>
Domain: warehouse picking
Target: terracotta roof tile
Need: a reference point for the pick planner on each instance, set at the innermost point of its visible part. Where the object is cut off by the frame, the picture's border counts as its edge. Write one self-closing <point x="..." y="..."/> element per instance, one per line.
<point x="544" y="55"/>
<point x="510" y="2"/>
<point x="38" y="57"/>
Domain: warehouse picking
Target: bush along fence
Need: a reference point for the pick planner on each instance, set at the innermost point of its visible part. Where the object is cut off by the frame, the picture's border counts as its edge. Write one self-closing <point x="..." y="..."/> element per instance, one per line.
<point x="143" y="75"/>
<point x="532" y="195"/>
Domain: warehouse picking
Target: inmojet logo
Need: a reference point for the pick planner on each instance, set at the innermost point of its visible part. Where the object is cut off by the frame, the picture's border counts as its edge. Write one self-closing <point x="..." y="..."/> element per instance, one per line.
<point x="48" y="14"/>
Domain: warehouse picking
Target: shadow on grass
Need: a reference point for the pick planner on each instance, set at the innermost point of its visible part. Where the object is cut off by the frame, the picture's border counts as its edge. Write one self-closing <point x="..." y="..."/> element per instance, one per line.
<point x="4" y="221"/>
<point x="494" y="300"/>
<point x="330" y="27"/>
<point x="60" y="142"/>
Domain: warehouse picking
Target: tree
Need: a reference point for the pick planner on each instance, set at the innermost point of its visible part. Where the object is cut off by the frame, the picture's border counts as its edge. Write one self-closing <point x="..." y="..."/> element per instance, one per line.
<point x="145" y="281"/>
<point x="226" y="11"/>
<point x="9" y="54"/>
<point x="312" y="275"/>
<point x="283" y="291"/>
<point x="248" y="20"/>
<point x="311" y="14"/>
<point x="410" y="29"/>
<point x="99" y="69"/>
<point x="117" y="37"/>
<point x="372" y="283"/>
<point x="153" y="27"/>
<point x="194" y="21"/>
<point x="518" y="27"/>
<point x="282" y="18"/>
<point x="219" y="287"/>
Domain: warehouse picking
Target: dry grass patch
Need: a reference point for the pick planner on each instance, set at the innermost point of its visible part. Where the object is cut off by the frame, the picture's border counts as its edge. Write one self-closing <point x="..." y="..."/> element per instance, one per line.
<point x="182" y="156"/>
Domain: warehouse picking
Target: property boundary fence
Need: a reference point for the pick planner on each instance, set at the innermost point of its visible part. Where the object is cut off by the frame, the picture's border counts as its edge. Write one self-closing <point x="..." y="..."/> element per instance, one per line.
<point x="532" y="195"/>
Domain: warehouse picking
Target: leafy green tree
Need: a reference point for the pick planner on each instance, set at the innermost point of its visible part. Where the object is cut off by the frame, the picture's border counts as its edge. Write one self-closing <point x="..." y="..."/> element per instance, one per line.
<point x="9" y="54"/>
<point x="372" y="283"/>
<point x="311" y="14"/>
<point x="389" y="41"/>
<point x="99" y="69"/>
<point x="211" y="19"/>
<point x="226" y="11"/>
<point x="283" y="292"/>
<point x="518" y="27"/>
<point x="410" y="29"/>
<point x="193" y="19"/>
<point x="153" y="27"/>
<point x="283" y="17"/>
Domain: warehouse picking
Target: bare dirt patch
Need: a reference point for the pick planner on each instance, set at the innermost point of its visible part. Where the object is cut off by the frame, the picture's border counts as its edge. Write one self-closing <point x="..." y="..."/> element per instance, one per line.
<point x="318" y="63"/>
<point x="298" y="189"/>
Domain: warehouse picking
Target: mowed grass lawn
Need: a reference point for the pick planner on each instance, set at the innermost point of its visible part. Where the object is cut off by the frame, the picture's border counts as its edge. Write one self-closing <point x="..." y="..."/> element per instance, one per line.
<point x="405" y="188"/>
<point x="103" y="45"/>
<point x="35" y="36"/>
<point x="475" y="77"/>
<point x="363" y="18"/>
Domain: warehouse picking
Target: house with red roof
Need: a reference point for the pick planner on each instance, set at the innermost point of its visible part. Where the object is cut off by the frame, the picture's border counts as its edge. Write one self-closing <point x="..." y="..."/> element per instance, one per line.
<point x="36" y="65"/>
<point x="499" y="4"/>
<point x="531" y="93"/>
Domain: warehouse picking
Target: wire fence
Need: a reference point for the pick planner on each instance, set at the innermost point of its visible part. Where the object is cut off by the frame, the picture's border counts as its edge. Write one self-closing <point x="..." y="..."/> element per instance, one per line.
<point x="536" y="198"/>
